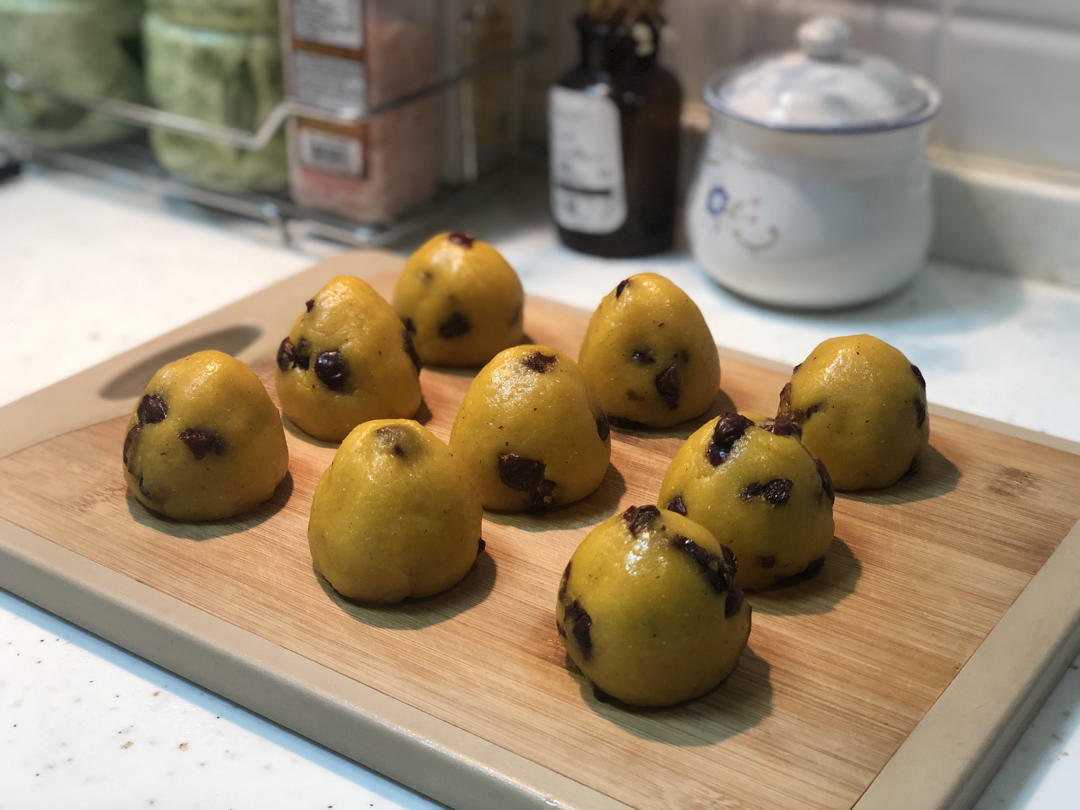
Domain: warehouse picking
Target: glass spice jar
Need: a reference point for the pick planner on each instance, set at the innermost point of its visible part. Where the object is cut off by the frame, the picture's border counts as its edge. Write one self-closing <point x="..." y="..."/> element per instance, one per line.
<point x="614" y="143"/>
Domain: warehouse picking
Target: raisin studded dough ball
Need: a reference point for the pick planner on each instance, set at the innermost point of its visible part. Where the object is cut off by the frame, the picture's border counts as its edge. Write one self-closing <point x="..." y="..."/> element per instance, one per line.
<point x="205" y="442"/>
<point x="648" y="609"/>
<point x="531" y="432"/>
<point x="649" y="354"/>
<point x="861" y="405"/>
<point x="460" y="300"/>
<point x="347" y="359"/>
<point x="394" y="516"/>
<point x="760" y="491"/>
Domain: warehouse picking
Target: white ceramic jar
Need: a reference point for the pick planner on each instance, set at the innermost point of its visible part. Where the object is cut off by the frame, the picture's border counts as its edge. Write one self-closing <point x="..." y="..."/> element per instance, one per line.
<point x="813" y="190"/>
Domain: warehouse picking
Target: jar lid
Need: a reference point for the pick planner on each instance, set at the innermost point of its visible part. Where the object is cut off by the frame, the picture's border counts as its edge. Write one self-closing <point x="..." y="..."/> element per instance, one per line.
<point x="824" y="86"/>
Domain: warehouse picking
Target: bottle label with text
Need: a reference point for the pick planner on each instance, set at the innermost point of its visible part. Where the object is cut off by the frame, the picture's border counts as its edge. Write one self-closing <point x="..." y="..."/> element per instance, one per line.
<point x="588" y="189"/>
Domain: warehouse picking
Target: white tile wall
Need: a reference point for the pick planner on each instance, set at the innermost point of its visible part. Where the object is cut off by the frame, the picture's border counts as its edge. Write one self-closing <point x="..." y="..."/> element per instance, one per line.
<point x="1009" y="73"/>
<point x="1009" y="70"/>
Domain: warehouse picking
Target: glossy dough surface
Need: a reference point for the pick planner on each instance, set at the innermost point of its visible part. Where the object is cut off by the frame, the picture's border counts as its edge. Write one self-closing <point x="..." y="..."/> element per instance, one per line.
<point x="758" y="491"/>
<point x="205" y="441"/>
<point x="649" y="354"/>
<point x="460" y="300"/>
<point x="647" y="609"/>
<point x="347" y="359"/>
<point x="394" y="516"/>
<point x="531" y="432"/>
<point x="862" y="408"/>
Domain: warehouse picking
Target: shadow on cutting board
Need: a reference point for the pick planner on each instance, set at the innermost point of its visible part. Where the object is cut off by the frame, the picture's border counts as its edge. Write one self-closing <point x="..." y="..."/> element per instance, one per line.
<point x="414" y="614"/>
<point x="738" y="704"/>
<point x="212" y="529"/>
<point x="818" y="593"/>
<point x="931" y="476"/>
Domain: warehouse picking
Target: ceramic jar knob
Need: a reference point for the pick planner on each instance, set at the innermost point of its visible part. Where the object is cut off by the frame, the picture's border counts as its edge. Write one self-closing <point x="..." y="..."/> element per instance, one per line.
<point x="824" y="38"/>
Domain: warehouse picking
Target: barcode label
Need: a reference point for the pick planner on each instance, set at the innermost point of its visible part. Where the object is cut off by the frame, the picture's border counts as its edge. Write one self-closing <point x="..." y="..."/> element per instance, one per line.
<point x="327" y="152"/>
<point x="330" y="22"/>
<point x="330" y="82"/>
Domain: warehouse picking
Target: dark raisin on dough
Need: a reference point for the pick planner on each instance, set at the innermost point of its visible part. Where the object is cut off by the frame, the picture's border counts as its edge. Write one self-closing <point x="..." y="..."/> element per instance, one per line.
<point x="463" y="239"/>
<point x="131" y="440"/>
<point x="920" y="413"/>
<point x="603" y="428"/>
<point x="390" y="437"/>
<point x="410" y="348"/>
<point x="677" y="504"/>
<point x="733" y="601"/>
<point x="480" y="545"/>
<point x="643" y="357"/>
<point x="730" y="559"/>
<point x="539" y="362"/>
<point x="621" y="286"/>
<point x="302" y="357"/>
<point x="767" y="560"/>
<point x="519" y="472"/>
<point x="151" y="409"/>
<point x="776" y="492"/>
<point x="332" y="370"/>
<point x="639" y="518"/>
<point x="580" y="626"/>
<point x="310" y="304"/>
<point x="526" y="475"/>
<point x="202" y="442"/>
<point x="826" y="480"/>
<point x="545" y="493"/>
<point x="564" y="581"/>
<point x="795" y="368"/>
<point x="783" y="426"/>
<point x="716" y="569"/>
<point x="286" y="355"/>
<point x="795" y="415"/>
<point x="667" y="385"/>
<point x="454" y="326"/>
<point x="145" y="492"/>
<point x="785" y="399"/>
<point x="729" y="429"/>
<point x="634" y="396"/>
<point x="918" y="376"/>
<point x="410" y="327"/>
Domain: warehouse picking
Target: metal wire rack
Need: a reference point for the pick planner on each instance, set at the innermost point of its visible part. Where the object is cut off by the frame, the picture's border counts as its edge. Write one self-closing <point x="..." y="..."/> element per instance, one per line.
<point x="131" y="162"/>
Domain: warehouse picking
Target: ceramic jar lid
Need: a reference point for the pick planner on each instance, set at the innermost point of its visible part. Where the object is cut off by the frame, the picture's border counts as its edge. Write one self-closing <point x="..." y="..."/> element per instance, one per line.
<point x="824" y="86"/>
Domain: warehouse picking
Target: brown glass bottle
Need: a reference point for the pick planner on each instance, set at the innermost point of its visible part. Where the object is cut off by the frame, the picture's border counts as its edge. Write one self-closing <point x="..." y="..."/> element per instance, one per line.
<point x="614" y="134"/>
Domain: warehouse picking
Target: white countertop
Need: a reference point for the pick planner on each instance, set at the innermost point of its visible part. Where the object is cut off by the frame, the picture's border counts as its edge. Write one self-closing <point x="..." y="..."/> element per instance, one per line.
<point x="90" y="271"/>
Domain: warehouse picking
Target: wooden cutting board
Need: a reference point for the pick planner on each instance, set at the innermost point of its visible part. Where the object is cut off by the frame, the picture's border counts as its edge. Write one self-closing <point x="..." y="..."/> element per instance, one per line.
<point x="897" y="678"/>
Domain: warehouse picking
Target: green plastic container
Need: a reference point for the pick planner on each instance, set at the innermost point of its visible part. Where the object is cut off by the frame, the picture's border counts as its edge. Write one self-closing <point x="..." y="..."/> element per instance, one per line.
<point x="240" y="16"/>
<point x="222" y="77"/>
<point x="85" y="47"/>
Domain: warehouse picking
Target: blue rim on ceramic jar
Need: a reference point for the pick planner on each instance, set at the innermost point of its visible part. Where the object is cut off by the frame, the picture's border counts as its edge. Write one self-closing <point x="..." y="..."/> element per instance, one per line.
<point x="813" y="190"/>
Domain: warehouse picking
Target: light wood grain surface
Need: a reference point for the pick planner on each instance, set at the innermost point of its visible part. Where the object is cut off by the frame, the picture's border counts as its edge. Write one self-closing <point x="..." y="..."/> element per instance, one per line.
<point x="838" y="673"/>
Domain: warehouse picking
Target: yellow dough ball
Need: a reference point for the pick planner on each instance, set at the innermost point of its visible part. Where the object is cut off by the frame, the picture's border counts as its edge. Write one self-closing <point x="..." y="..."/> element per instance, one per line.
<point x="648" y="610"/>
<point x="460" y="300"/>
<point x="760" y="491"/>
<point x="861" y="405"/>
<point x="347" y="359"/>
<point x="394" y="516"/>
<point x="205" y="441"/>
<point x="531" y="432"/>
<point x="649" y="354"/>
